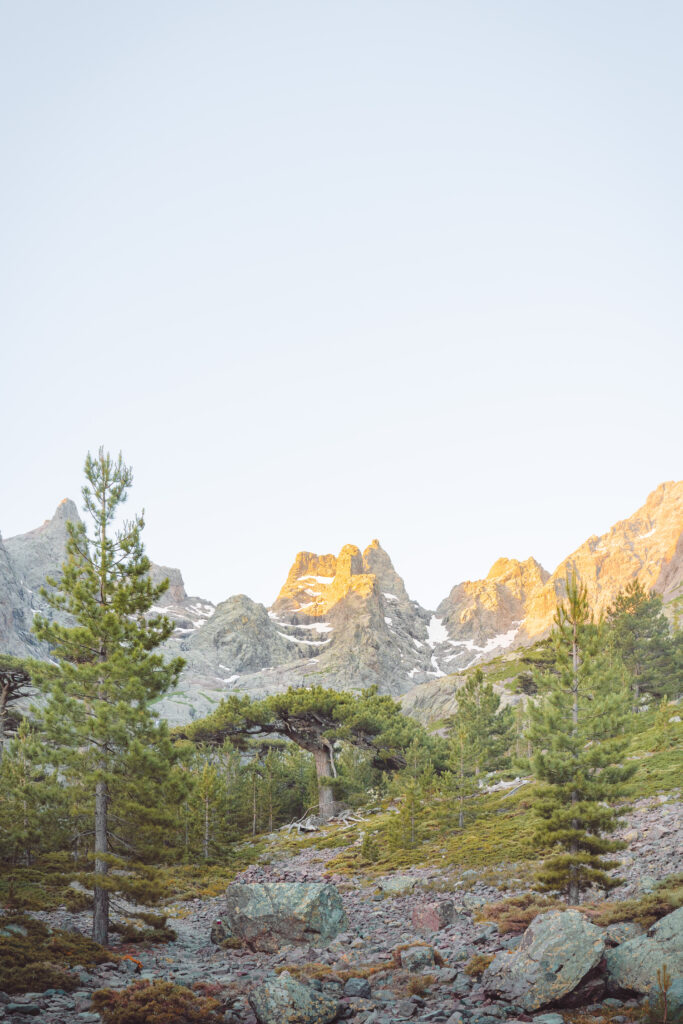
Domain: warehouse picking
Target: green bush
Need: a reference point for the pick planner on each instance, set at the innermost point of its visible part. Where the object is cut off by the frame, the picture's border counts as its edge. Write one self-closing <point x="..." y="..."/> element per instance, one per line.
<point x="34" y="957"/>
<point x="159" y="1002"/>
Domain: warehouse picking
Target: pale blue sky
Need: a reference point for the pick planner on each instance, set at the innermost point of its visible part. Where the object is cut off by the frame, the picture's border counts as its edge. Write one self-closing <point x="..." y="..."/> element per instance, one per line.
<point x="334" y="271"/>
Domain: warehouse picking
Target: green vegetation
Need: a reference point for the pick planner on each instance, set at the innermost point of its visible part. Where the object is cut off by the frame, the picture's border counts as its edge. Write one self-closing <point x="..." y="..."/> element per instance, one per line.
<point x="477" y="964"/>
<point x="480" y="737"/>
<point x="158" y="1002"/>
<point x="578" y="734"/>
<point x="97" y="727"/>
<point x="315" y="720"/>
<point x="34" y="956"/>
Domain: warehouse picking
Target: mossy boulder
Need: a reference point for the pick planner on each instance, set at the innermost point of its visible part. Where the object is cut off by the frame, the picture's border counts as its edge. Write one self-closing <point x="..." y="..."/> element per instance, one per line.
<point x="633" y="965"/>
<point x="557" y="952"/>
<point x="266" y="916"/>
<point x="397" y="885"/>
<point x="284" y="1000"/>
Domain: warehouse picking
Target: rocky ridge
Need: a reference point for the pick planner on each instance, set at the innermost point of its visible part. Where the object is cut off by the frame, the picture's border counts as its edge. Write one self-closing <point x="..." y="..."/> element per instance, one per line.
<point x="347" y="621"/>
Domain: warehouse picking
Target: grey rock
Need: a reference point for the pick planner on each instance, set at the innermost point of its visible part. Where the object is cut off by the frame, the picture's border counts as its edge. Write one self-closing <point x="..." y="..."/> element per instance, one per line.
<point x="26" y="1009"/>
<point x="358" y="987"/>
<point x="415" y="958"/>
<point x="283" y="1000"/>
<point x="615" y="934"/>
<point x="397" y="885"/>
<point x="557" y="951"/>
<point x="268" y="915"/>
<point x="633" y="966"/>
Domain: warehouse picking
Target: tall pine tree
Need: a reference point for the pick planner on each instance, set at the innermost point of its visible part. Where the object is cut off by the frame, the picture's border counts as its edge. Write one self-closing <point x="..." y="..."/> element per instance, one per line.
<point x="480" y="736"/>
<point x="578" y="731"/>
<point x="97" y="718"/>
<point x="640" y="634"/>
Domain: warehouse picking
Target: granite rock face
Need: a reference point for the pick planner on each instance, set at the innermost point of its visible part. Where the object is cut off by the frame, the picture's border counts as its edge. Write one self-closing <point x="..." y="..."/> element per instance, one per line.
<point x="633" y="965"/>
<point x="283" y="1000"/>
<point x="268" y="915"/>
<point x="557" y="951"/>
<point x="346" y="621"/>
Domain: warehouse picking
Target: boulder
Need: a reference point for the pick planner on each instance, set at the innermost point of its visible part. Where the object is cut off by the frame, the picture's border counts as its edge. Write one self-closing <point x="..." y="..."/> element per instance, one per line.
<point x="358" y="988"/>
<point x="632" y="966"/>
<point x="283" y="1000"/>
<point x="397" y="885"/>
<point x="268" y="915"/>
<point x="431" y="917"/>
<point x="615" y="934"/>
<point x="415" y="958"/>
<point x="558" y="950"/>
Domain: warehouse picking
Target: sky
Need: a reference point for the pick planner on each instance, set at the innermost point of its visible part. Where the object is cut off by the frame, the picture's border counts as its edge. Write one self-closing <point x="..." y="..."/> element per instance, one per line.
<point x="325" y="272"/>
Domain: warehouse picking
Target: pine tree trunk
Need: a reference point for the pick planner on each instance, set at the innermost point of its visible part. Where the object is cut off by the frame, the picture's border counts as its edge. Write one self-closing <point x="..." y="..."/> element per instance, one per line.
<point x="205" y="845"/>
<point x="4" y="694"/>
<point x="100" y="920"/>
<point x="573" y="889"/>
<point x="323" y="767"/>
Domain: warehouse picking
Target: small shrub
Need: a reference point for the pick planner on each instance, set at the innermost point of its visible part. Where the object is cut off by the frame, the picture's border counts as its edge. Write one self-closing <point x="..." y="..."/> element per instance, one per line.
<point x="418" y="984"/>
<point x="478" y="964"/>
<point x="514" y="915"/>
<point x="370" y="850"/>
<point x="34" y="957"/>
<point x="158" y="1002"/>
<point x="644" y="910"/>
<point x="75" y="900"/>
<point x="656" y="1009"/>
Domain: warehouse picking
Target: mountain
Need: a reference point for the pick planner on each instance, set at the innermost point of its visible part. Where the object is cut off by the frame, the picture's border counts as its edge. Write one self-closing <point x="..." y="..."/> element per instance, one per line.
<point x="516" y="602"/>
<point x="347" y="621"/>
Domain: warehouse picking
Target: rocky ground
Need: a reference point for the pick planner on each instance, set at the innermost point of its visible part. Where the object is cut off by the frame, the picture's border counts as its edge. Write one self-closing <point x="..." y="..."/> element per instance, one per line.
<point x="381" y="917"/>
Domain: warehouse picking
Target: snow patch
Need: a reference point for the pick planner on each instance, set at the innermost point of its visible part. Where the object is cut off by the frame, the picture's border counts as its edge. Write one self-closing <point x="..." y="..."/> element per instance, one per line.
<point x="492" y="644"/>
<point x="390" y="597"/>
<point x="436" y="632"/>
<point x="306" y="643"/>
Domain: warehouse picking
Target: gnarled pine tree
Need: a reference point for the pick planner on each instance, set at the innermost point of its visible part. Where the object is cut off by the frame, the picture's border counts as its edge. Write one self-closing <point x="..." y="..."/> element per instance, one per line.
<point x="97" y="721"/>
<point x="315" y="719"/>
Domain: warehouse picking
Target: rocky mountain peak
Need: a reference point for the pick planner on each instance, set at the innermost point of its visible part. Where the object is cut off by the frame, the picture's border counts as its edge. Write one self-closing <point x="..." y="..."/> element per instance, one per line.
<point x="377" y="561"/>
<point x="40" y="552"/>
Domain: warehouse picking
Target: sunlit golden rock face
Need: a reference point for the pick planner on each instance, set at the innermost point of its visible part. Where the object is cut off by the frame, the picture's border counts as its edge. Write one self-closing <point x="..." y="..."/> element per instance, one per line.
<point x="646" y="546"/>
<point x="481" y="609"/>
<point x="316" y="583"/>
<point x="516" y="602"/>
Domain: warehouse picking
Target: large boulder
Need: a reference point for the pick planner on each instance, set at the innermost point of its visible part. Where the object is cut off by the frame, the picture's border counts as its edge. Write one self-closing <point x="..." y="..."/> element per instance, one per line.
<point x="284" y="1000"/>
<point x="432" y="917"/>
<point x="266" y="916"/>
<point x="557" y="951"/>
<point x="633" y="966"/>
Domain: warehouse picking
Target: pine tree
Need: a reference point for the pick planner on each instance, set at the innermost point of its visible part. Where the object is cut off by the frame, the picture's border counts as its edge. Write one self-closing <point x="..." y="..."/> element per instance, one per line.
<point x="315" y="719"/>
<point x="640" y="634"/>
<point x="407" y="829"/>
<point x="33" y="803"/>
<point x="97" y="717"/>
<point x="480" y="736"/>
<point x="15" y="679"/>
<point x="578" y="730"/>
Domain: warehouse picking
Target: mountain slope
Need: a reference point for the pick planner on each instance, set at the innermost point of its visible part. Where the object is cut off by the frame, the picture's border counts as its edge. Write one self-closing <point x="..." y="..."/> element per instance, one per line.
<point x="347" y="621"/>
